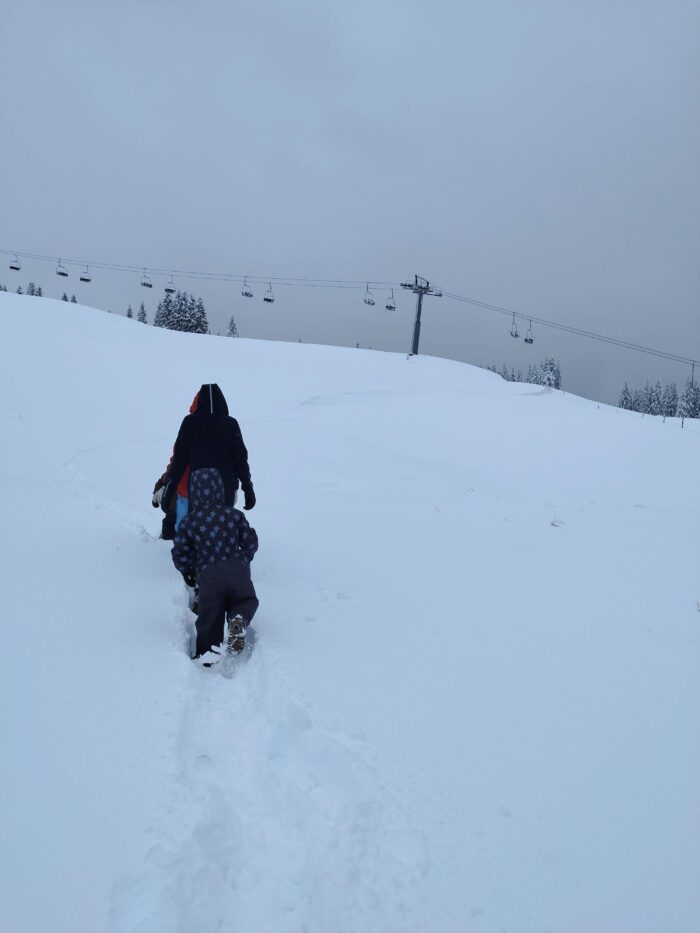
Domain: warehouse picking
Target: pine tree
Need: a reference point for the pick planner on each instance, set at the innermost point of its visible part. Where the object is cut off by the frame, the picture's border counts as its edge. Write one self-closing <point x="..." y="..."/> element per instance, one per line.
<point x="645" y="399"/>
<point x="19" y="290"/>
<point x="551" y="373"/>
<point x="64" y="297"/>
<point x="637" y="400"/>
<point x="232" y="328"/>
<point x="74" y="300"/>
<point x="164" y="312"/>
<point x="31" y="289"/>
<point x="689" y="402"/>
<point x="141" y="316"/>
<point x="183" y="312"/>
<point x="655" y="399"/>
<point x="625" y="398"/>
<point x="200" y="320"/>
<point x="129" y="312"/>
<point x="669" y="400"/>
<point x="39" y="293"/>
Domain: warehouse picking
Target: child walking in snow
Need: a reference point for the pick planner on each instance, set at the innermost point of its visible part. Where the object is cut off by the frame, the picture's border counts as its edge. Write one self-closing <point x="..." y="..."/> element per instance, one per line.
<point x="213" y="548"/>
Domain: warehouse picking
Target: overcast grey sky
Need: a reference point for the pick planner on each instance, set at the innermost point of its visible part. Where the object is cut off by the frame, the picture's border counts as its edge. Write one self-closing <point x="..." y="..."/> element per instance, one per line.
<point x="538" y="155"/>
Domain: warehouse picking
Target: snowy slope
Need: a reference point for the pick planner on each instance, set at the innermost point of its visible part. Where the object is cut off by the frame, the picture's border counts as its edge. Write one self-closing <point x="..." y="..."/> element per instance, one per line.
<point x="473" y="700"/>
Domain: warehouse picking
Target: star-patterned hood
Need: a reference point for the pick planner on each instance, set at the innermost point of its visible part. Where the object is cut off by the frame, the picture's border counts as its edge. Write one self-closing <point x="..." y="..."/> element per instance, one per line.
<point x="206" y="490"/>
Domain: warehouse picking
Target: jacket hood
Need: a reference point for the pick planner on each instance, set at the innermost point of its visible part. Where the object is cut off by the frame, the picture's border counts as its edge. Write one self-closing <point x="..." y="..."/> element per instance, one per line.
<point x="211" y="401"/>
<point x="193" y="406"/>
<point x="206" y="489"/>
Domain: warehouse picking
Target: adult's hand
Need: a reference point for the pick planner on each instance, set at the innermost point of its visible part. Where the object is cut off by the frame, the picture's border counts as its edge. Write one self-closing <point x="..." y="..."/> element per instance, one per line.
<point x="249" y="498"/>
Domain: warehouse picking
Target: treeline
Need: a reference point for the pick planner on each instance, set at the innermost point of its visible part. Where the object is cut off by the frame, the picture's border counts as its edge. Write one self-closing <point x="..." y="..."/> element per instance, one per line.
<point x="547" y="373"/>
<point x="31" y="289"/>
<point x="654" y="399"/>
<point x="182" y="312"/>
<point x="177" y="311"/>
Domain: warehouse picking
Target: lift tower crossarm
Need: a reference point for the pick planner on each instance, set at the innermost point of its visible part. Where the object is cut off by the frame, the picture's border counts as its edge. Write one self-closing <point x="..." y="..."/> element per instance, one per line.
<point x="420" y="287"/>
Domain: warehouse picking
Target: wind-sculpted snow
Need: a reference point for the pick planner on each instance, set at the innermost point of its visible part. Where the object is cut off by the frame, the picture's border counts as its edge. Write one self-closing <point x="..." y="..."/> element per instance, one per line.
<point x="472" y="702"/>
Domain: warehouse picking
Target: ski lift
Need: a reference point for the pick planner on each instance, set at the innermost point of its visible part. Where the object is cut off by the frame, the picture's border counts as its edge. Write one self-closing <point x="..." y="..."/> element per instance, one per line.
<point x="268" y="296"/>
<point x="514" y="328"/>
<point x="85" y="276"/>
<point x="15" y="264"/>
<point x="246" y="291"/>
<point x="369" y="297"/>
<point x="391" y="304"/>
<point x="170" y="287"/>
<point x="61" y="270"/>
<point x="528" y="337"/>
<point x="145" y="281"/>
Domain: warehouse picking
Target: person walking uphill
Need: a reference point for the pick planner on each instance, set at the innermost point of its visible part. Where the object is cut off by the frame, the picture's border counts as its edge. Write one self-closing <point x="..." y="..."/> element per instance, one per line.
<point x="210" y="437"/>
<point x="213" y="548"/>
<point x="177" y="509"/>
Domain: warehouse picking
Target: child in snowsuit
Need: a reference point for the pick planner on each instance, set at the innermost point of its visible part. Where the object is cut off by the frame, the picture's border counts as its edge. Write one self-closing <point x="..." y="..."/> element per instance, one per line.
<point x="213" y="548"/>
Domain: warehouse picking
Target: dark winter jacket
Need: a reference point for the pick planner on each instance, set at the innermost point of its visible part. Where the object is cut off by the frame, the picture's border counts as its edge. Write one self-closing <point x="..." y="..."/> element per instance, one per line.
<point x="211" y="531"/>
<point x="183" y="485"/>
<point x="210" y="438"/>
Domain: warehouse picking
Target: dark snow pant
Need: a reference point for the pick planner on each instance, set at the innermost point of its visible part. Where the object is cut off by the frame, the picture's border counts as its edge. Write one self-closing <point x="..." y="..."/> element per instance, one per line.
<point x="225" y="589"/>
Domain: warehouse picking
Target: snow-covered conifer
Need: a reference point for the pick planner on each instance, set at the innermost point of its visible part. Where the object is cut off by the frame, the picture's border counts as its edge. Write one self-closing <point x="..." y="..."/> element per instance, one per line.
<point x="669" y="400"/>
<point x="129" y="312"/>
<point x="74" y="300"/>
<point x="625" y="400"/>
<point x="689" y="401"/>
<point x="232" y="328"/>
<point x="164" y="313"/>
<point x="141" y="316"/>
<point x="655" y="399"/>
<point x="64" y="297"/>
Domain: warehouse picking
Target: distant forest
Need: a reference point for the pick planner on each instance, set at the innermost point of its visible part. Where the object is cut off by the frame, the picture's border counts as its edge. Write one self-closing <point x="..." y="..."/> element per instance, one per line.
<point x="666" y="401"/>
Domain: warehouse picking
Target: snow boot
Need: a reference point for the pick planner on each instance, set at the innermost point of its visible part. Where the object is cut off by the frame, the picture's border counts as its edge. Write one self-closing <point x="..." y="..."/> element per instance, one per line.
<point x="236" y="635"/>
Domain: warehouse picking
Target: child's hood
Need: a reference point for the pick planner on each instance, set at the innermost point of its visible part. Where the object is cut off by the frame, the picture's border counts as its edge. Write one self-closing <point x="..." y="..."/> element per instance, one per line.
<point x="206" y="489"/>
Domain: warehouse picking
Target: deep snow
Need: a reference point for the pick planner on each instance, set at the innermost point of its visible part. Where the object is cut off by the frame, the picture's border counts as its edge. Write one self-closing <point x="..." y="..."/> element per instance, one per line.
<point x="473" y="701"/>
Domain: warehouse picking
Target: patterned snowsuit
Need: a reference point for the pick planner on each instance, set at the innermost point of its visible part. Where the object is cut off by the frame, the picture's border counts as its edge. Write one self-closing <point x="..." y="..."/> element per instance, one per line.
<point x="216" y="544"/>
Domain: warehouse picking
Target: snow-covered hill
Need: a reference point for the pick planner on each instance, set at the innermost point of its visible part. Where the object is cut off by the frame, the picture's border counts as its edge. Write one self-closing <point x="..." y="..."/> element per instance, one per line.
<point x="473" y="701"/>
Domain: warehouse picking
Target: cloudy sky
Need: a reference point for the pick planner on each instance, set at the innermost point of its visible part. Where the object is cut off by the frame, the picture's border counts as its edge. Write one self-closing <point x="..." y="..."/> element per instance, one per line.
<point x="540" y="155"/>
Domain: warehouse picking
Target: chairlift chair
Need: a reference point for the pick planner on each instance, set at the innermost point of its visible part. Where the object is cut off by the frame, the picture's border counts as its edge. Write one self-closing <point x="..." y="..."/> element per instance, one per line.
<point x="61" y="270"/>
<point x="15" y="264"/>
<point x="514" y="329"/>
<point x="528" y="337"/>
<point x="246" y="290"/>
<point x="268" y="296"/>
<point x="170" y="287"/>
<point x="391" y="304"/>
<point x="85" y="276"/>
<point x="145" y="281"/>
<point x="369" y="297"/>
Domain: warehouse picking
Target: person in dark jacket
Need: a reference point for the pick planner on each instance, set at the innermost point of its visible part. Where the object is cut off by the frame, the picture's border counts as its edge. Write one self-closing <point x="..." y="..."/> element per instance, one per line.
<point x="213" y="549"/>
<point x="210" y="437"/>
<point x="177" y="508"/>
